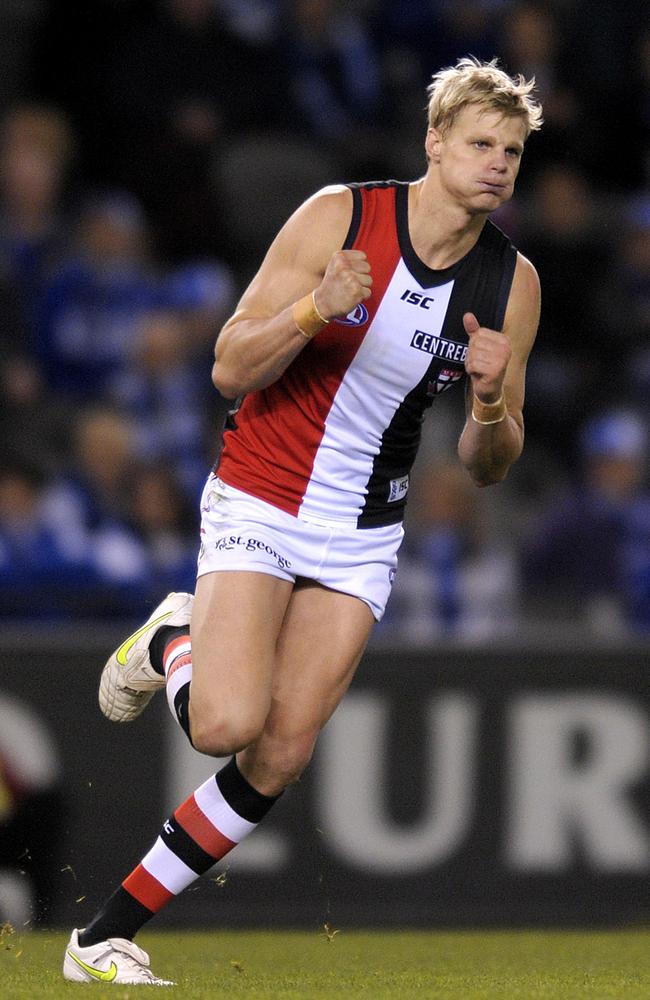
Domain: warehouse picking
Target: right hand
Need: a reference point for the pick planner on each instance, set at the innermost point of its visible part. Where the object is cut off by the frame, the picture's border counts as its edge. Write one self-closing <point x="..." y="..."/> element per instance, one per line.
<point x="346" y="283"/>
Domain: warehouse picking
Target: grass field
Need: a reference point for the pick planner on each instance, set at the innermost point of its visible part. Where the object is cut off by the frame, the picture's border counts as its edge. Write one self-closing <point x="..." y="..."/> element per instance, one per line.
<point x="281" y="965"/>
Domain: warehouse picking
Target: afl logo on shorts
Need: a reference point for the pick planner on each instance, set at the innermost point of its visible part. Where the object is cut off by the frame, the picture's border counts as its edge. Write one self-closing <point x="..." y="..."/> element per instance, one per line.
<point x="357" y="317"/>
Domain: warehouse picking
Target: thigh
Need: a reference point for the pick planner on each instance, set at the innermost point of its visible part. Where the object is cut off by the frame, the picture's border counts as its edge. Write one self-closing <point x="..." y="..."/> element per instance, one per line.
<point x="323" y="636"/>
<point x="236" y="621"/>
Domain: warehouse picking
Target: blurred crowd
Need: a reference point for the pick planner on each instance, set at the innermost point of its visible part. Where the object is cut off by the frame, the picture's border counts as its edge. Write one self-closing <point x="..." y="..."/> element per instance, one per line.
<point x="148" y="153"/>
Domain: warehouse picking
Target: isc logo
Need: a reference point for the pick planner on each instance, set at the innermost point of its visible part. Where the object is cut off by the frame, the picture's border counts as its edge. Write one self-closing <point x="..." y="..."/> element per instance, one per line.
<point x="416" y="299"/>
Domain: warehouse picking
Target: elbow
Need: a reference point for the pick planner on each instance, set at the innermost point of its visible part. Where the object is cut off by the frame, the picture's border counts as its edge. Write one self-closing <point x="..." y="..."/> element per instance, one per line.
<point x="228" y="378"/>
<point x="491" y="477"/>
<point x="489" y="469"/>
<point x="487" y="473"/>
<point x="225" y="382"/>
<point x="233" y="384"/>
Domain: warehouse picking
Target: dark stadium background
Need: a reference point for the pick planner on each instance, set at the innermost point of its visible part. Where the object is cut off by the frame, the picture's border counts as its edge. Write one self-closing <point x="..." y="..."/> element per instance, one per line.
<point x="148" y="153"/>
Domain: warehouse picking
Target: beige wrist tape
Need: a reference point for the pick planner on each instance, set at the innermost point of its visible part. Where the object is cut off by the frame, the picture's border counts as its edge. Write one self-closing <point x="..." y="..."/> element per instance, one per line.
<point x="489" y="413"/>
<point x="307" y="317"/>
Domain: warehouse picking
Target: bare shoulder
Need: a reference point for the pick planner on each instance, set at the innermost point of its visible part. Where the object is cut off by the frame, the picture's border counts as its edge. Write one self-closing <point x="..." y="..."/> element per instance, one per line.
<point x="520" y="324"/>
<point x="335" y="199"/>
<point x="526" y="279"/>
<point x="525" y="291"/>
<point x="322" y="221"/>
<point x="522" y="313"/>
<point x="298" y="257"/>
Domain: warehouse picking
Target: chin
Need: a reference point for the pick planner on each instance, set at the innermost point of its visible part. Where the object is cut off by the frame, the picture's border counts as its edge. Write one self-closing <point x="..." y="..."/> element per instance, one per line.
<point x="485" y="204"/>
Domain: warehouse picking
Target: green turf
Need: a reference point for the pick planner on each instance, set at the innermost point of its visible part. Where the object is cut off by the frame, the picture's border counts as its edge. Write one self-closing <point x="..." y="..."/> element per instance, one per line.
<point x="281" y="965"/>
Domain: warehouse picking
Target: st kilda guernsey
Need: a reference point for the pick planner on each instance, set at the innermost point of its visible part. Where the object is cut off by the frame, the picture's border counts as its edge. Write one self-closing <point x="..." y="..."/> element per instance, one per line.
<point x="334" y="438"/>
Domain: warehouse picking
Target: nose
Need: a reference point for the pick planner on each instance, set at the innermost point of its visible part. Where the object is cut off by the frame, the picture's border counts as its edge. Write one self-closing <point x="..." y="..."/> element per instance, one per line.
<point x="499" y="160"/>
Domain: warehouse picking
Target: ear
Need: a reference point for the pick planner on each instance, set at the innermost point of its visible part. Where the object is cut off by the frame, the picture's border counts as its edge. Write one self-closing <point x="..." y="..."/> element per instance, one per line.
<point x="432" y="145"/>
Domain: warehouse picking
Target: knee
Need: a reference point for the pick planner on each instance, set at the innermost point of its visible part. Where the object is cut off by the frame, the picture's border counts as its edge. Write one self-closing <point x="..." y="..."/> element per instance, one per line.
<point x="219" y="734"/>
<point x="273" y="768"/>
<point x="288" y="769"/>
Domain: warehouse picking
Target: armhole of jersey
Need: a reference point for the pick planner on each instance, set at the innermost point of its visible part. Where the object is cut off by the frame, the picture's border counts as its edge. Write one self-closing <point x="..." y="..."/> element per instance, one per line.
<point x="355" y="221"/>
<point x="505" y="285"/>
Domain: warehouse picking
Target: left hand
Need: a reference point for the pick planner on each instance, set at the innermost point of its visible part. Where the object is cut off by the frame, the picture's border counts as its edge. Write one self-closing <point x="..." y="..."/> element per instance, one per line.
<point x="488" y="354"/>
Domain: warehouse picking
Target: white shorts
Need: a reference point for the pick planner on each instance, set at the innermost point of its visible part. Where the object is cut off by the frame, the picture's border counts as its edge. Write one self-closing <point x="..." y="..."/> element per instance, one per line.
<point x="240" y="532"/>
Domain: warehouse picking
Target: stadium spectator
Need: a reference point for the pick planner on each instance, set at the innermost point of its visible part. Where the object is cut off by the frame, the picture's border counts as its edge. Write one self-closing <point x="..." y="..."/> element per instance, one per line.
<point x="39" y="572"/>
<point x="166" y="522"/>
<point x="163" y="388"/>
<point x="204" y="292"/>
<point x="164" y="394"/>
<point x="335" y="83"/>
<point x="34" y="424"/>
<point x="87" y="508"/>
<point x="91" y="304"/>
<point x="588" y="557"/>
<point x="90" y="543"/>
<point x="36" y="150"/>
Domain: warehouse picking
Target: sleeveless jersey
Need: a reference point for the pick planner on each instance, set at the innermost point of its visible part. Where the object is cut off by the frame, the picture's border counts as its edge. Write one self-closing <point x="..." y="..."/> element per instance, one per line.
<point x="334" y="438"/>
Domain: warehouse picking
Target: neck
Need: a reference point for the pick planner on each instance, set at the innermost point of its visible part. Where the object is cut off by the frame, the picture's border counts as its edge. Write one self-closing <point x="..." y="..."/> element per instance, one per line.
<point x="441" y="230"/>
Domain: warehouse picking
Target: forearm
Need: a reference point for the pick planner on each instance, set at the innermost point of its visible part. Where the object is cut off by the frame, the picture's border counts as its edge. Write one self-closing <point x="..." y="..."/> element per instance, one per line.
<point x="252" y="353"/>
<point x="488" y="450"/>
<point x="264" y="336"/>
<point x="493" y="435"/>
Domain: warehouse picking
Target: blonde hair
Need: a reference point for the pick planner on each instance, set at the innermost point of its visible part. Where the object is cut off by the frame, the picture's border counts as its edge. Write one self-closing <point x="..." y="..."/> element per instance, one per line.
<point x="484" y="84"/>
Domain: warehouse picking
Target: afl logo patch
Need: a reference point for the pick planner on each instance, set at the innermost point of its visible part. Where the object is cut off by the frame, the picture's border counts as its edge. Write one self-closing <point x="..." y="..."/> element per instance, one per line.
<point x="357" y="317"/>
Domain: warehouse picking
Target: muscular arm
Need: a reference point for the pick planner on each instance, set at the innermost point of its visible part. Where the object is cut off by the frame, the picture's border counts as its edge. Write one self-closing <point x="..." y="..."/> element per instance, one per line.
<point x="496" y="364"/>
<point x="261" y="339"/>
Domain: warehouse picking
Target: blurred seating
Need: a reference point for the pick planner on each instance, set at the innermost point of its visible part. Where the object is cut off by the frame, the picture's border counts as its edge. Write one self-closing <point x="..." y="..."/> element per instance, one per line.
<point x="37" y="147"/>
<point x="261" y="179"/>
<point x="456" y="579"/>
<point x="148" y="158"/>
<point x="91" y="303"/>
<point x="588" y="555"/>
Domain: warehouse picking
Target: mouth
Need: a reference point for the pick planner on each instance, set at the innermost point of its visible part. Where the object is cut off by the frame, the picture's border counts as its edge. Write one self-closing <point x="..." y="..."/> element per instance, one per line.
<point x="494" y="186"/>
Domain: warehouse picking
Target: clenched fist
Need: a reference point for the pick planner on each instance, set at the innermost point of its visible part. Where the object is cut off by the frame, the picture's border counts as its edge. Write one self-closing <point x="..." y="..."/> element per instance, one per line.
<point x="488" y="354"/>
<point x="346" y="283"/>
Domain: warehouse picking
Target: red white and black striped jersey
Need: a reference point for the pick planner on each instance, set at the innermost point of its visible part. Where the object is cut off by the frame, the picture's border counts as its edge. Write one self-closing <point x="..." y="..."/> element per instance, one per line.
<point x="334" y="438"/>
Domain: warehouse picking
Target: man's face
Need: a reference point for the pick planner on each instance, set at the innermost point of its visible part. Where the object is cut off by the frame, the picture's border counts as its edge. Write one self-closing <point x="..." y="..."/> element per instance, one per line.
<point x="478" y="158"/>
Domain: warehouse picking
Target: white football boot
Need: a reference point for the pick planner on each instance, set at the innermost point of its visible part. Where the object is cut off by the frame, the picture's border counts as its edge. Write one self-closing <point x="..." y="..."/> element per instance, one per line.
<point x="114" y="961"/>
<point x="128" y="681"/>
